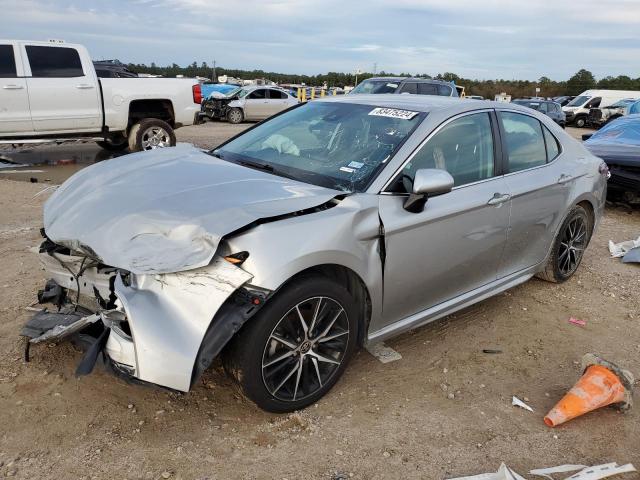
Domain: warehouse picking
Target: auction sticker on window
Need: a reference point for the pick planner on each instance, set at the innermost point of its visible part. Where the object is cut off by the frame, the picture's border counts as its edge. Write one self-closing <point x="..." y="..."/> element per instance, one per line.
<point x="393" y="113"/>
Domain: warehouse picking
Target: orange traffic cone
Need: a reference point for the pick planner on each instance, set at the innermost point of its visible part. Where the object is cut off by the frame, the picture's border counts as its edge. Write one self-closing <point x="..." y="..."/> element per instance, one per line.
<point x="602" y="384"/>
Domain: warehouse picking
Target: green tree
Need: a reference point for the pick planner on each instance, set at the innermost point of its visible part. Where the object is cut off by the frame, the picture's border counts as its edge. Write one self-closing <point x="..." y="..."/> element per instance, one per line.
<point x="581" y="81"/>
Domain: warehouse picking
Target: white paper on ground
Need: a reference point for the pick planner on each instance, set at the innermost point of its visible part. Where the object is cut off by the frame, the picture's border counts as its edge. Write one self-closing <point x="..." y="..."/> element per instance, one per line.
<point x="546" y="472"/>
<point x="503" y="473"/>
<point x="519" y="403"/>
<point x="620" y="249"/>
<point x="598" y="472"/>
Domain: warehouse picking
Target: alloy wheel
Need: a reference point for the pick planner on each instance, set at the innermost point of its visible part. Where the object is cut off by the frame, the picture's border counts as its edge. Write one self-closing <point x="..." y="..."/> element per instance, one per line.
<point x="572" y="245"/>
<point x="235" y="116"/>
<point x="305" y="349"/>
<point x="155" y="137"/>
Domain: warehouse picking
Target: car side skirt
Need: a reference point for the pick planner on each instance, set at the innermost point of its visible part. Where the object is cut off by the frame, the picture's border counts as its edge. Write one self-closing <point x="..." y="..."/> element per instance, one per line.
<point x="450" y="306"/>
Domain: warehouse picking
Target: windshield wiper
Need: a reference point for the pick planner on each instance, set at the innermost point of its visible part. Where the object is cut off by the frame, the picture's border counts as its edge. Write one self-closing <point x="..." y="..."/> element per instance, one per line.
<point x="265" y="167"/>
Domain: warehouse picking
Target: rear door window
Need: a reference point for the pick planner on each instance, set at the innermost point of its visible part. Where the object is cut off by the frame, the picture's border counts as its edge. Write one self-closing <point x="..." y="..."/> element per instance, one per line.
<point x="553" y="149"/>
<point x="277" y="94"/>
<point x="524" y="141"/>
<point x="427" y="89"/>
<point x="54" y="62"/>
<point x="410" y="87"/>
<point x="444" y="90"/>
<point x="7" y="62"/>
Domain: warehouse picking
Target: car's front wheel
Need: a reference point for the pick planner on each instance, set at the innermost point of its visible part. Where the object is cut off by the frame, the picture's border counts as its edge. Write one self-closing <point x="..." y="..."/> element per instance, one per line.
<point x="296" y="348"/>
<point x="569" y="246"/>
<point x="235" y="115"/>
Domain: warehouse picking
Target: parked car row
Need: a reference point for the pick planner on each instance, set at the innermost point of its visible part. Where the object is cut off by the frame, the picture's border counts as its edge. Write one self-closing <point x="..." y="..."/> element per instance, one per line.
<point x="551" y="109"/>
<point x="578" y="110"/>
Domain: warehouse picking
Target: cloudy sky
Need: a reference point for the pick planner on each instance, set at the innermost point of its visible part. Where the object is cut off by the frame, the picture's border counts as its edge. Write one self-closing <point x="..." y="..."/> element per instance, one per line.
<point x="523" y="39"/>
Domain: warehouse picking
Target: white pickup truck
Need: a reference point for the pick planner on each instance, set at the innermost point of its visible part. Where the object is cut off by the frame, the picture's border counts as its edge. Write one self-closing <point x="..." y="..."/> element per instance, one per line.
<point x="49" y="91"/>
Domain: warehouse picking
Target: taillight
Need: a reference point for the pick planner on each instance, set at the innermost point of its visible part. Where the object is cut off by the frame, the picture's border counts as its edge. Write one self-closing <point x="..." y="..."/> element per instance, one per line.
<point x="197" y="93"/>
<point x="604" y="170"/>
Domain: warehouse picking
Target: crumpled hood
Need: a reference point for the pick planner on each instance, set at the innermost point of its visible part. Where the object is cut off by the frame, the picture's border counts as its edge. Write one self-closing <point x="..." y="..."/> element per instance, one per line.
<point x="166" y="210"/>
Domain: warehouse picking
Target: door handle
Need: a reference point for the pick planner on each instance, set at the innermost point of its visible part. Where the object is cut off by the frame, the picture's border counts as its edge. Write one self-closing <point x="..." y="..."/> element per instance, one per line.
<point x="564" y="178"/>
<point x="84" y="86"/>
<point x="12" y="87"/>
<point x="499" y="198"/>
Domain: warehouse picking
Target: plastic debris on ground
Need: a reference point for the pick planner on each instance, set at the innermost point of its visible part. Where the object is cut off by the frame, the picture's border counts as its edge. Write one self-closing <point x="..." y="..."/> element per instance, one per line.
<point x="597" y="472"/>
<point x="515" y="401"/>
<point x="383" y="353"/>
<point x="576" y="321"/>
<point x="620" y="249"/>
<point x="632" y="256"/>
<point x="602" y="383"/>
<point x="547" y="472"/>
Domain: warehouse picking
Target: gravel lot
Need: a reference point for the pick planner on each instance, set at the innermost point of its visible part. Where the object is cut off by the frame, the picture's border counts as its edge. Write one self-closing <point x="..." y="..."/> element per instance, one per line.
<point x="443" y="410"/>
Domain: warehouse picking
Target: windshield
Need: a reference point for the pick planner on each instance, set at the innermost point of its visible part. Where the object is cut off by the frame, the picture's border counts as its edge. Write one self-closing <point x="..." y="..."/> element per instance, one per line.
<point x="376" y="86"/>
<point x="240" y="92"/>
<point x="336" y="145"/>
<point x="578" y="101"/>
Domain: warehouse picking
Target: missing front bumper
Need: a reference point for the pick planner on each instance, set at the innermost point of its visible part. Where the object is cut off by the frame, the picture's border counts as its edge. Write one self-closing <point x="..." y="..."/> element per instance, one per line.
<point x="156" y="325"/>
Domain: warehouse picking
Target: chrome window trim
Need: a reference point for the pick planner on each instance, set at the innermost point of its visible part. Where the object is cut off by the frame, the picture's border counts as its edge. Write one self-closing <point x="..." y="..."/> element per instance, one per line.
<point x="428" y="137"/>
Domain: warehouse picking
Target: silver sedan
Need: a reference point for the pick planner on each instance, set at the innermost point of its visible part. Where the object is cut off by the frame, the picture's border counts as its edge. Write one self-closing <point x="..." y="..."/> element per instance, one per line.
<point x="336" y="224"/>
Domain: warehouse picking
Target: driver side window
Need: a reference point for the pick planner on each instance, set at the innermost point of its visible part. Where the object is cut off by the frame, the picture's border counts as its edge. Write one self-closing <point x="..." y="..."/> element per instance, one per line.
<point x="594" y="103"/>
<point x="257" y="94"/>
<point x="463" y="147"/>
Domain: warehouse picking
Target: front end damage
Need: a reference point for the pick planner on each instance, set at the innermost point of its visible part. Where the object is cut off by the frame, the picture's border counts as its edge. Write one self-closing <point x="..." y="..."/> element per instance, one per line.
<point x="163" y="329"/>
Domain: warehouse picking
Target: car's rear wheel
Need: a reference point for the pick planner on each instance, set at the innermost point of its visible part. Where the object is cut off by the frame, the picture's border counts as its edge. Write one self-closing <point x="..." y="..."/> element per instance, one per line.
<point x="151" y="133"/>
<point x="296" y="348"/>
<point x="235" y="115"/>
<point x="569" y="246"/>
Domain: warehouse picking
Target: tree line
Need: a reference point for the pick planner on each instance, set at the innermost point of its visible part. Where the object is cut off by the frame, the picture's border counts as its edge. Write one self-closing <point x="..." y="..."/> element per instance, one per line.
<point x="581" y="81"/>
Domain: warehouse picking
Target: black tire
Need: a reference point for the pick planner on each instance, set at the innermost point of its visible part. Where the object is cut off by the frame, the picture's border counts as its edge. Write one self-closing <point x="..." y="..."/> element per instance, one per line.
<point x="235" y="115"/>
<point x="114" y="144"/>
<point x="140" y="137"/>
<point x="580" y="122"/>
<point x="249" y="356"/>
<point x="557" y="270"/>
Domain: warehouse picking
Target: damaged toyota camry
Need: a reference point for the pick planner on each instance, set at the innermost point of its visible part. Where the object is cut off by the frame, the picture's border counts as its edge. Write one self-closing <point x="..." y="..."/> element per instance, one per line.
<point x="333" y="225"/>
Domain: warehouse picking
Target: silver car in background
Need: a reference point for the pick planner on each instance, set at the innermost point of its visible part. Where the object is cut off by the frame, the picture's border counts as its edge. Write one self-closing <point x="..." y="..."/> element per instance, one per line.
<point x="258" y="103"/>
<point x="337" y="223"/>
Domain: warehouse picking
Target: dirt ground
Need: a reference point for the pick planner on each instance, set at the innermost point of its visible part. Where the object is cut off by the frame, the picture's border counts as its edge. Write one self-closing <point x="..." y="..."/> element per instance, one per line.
<point x="444" y="410"/>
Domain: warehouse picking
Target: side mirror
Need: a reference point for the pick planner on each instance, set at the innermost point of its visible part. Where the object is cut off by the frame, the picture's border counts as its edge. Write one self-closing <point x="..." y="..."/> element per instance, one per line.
<point x="586" y="136"/>
<point x="427" y="182"/>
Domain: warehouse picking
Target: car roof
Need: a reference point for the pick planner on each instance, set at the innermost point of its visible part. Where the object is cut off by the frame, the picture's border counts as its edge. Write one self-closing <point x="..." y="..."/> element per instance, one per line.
<point x="532" y="100"/>
<point x="422" y="103"/>
<point x="413" y="79"/>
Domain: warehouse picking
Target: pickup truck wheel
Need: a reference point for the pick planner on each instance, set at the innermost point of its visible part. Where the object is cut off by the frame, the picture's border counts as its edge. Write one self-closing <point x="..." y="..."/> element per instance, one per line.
<point x="235" y="115"/>
<point x="114" y="145"/>
<point x="151" y="133"/>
